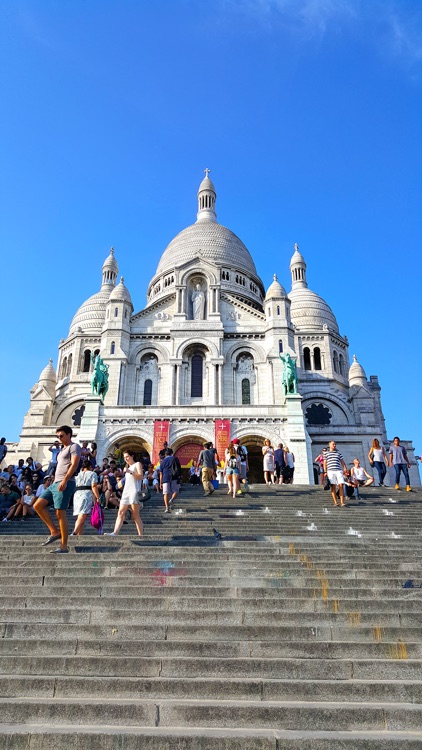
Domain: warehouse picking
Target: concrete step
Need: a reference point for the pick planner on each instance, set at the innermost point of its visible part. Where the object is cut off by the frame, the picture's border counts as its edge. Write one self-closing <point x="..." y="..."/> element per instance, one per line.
<point x="274" y="637"/>
<point x="287" y="715"/>
<point x="76" y="687"/>
<point x="98" y="737"/>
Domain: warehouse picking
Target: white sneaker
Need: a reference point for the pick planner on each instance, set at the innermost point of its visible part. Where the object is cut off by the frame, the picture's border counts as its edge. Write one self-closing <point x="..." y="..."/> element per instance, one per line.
<point x="5" y="520"/>
<point x="109" y="533"/>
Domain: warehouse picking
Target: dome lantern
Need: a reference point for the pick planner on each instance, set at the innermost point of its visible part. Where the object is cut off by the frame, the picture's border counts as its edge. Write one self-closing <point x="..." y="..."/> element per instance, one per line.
<point x="298" y="269"/>
<point x="110" y="271"/>
<point x="206" y="199"/>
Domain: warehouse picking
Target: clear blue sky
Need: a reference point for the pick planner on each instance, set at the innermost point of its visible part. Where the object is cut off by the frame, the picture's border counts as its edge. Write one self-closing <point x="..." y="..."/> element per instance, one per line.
<point x="308" y="112"/>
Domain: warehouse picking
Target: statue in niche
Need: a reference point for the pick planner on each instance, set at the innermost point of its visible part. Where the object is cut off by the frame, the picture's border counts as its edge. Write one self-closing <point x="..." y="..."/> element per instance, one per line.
<point x="245" y="366"/>
<point x="289" y="376"/>
<point x="150" y="366"/>
<point x="198" y="303"/>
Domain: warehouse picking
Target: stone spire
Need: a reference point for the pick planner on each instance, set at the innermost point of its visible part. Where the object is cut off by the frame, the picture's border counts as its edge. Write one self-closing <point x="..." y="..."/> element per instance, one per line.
<point x="298" y="269"/>
<point x="206" y="200"/>
<point x="110" y="271"/>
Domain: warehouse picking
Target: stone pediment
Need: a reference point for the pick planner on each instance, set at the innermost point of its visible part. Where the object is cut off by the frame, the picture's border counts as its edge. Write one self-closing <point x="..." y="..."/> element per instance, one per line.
<point x="154" y="308"/>
<point x="243" y="307"/>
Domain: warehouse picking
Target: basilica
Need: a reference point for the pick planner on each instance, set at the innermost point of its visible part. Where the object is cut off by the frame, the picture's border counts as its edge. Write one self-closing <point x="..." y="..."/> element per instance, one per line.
<point x="202" y="361"/>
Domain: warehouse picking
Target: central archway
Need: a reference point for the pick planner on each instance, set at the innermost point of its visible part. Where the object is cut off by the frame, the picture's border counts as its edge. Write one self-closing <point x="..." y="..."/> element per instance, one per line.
<point x="253" y="444"/>
<point x="138" y="445"/>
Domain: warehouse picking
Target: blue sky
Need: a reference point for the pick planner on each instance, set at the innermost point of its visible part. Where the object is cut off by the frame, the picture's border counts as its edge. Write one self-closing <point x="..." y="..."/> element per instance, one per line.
<point x="308" y="113"/>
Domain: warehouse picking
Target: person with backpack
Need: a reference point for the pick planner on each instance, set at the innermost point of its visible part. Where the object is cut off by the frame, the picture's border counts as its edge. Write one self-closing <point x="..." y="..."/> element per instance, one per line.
<point x="170" y="472"/>
<point x="232" y="468"/>
<point x="242" y="452"/>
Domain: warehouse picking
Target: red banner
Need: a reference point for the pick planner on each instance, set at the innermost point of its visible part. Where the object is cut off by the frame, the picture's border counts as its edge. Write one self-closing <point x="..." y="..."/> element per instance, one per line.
<point x="161" y="436"/>
<point x="188" y="453"/>
<point x="222" y="436"/>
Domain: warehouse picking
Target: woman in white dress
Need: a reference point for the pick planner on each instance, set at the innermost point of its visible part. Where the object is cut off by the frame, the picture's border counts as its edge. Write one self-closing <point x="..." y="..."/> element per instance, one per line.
<point x="269" y="465"/>
<point x="133" y="475"/>
<point x="86" y="494"/>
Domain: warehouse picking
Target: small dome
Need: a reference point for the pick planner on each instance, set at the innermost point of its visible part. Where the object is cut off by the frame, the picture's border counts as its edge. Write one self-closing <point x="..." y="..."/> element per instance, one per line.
<point x="357" y="375"/>
<point x="297" y="257"/>
<point x="275" y="290"/>
<point x="110" y="262"/>
<point x="91" y="315"/>
<point x="121" y="293"/>
<point x="309" y="310"/>
<point x="206" y="184"/>
<point x="48" y="374"/>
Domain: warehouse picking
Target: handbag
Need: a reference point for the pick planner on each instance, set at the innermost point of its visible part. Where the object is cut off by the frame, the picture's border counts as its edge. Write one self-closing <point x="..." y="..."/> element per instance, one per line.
<point x="143" y="496"/>
<point x="97" y="517"/>
<point x="327" y="485"/>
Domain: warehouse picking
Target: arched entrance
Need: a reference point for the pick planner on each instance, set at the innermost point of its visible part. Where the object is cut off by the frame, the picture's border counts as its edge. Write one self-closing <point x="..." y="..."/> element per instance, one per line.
<point x="187" y="450"/>
<point x="254" y="444"/>
<point x="138" y="445"/>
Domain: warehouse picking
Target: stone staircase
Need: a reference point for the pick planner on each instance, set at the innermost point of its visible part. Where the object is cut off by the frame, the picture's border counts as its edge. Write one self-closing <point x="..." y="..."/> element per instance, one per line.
<point x="300" y="629"/>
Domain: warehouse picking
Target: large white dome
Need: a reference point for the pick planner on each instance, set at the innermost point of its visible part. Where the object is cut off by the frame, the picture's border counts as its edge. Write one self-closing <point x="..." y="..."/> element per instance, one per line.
<point x="308" y="310"/>
<point x="91" y="315"/>
<point x="210" y="241"/>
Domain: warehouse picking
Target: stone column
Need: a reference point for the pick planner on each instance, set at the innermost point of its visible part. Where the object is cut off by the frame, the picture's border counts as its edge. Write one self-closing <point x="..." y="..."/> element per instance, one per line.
<point x="89" y="421"/>
<point x="177" y="385"/>
<point x="220" y="385"/>
<point x="298" y="440"/>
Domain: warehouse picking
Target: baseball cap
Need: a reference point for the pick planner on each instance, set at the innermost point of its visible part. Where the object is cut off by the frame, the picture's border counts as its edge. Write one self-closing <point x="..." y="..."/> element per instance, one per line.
<point x="236" y="441"/>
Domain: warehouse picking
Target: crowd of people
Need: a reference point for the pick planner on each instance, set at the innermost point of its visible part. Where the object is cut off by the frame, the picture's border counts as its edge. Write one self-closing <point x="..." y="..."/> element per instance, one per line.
<point x="342" y="481"/>
<point x="122" y="481"/>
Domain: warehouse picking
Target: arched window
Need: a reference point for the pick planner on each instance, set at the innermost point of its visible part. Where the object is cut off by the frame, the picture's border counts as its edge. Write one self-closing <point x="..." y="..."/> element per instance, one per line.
<point x="64" y="367"/>
<point x="125" y="312"/>
<point x="196" y="376"/>
<point x="69" y="365"/>
<point x="307" y="358"/>
<point x="116" y="312"/>
<point x="280" y="346"/>
<point x="340" y="365"/>
<point x="148" y="392"/>
<point x="335" y="362"/>
<point x="278" y="313"/>
<point x="317" y="358"/>
<point x="97" y="351"/>
<point x="246" y="391"/>
<point x="112" y="347"/>
<point x="87" y="360"/>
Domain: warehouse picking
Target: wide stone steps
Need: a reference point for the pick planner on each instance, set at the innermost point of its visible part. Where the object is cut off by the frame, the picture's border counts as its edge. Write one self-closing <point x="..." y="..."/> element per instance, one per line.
<point x="276" y="636"/>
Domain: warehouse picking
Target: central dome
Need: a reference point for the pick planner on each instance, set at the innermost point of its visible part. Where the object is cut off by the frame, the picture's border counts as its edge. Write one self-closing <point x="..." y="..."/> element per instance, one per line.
<point x="208" y="240"/>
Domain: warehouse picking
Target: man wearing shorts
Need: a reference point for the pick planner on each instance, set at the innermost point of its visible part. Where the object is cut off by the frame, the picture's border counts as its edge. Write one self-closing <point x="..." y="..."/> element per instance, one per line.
<point x="61" y="492"/>
<point x="334" y="467"/>
<point x="168" y="483"/>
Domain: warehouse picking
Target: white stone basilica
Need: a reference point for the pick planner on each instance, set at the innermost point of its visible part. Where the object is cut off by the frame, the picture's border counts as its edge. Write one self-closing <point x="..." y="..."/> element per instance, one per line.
<point x="205" y="350"/>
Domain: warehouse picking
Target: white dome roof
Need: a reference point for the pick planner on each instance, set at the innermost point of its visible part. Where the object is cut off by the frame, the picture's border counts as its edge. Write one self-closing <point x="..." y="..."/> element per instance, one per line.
<point x="91" y="315"/>
<point x="48" y="374"/>
<point x="121" y="293"/>
<point x="275" y="290"/>
<point x="308" y="310"/>
<point x="357" y="375"/>
<point x="210" y="241"/>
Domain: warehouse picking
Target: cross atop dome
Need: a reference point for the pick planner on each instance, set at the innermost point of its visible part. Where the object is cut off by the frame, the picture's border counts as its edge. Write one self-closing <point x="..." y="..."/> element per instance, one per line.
<point x="207" y="171"/>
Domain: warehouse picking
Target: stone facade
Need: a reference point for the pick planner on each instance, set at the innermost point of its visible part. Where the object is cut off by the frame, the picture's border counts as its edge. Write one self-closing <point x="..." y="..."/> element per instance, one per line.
<point x="206" y="347"/>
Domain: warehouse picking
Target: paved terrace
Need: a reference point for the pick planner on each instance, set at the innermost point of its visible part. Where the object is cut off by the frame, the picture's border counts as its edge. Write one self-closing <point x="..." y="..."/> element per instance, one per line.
<point x="299" y="630"/>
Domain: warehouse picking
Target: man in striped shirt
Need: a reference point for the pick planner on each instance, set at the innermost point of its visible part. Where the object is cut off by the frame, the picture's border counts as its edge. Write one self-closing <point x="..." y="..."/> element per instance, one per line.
<point x="335" y="467"/>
